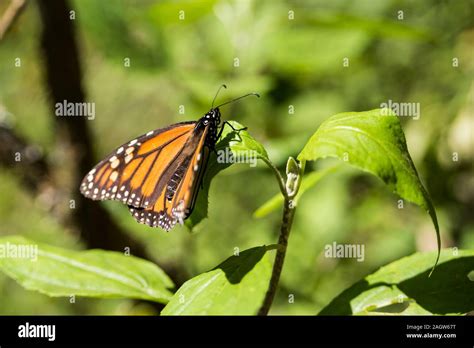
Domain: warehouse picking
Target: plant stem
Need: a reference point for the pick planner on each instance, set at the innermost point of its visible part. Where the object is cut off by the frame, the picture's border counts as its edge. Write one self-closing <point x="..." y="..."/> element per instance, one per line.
<point x="287" y="220"/>
<point x="281" y="181"/>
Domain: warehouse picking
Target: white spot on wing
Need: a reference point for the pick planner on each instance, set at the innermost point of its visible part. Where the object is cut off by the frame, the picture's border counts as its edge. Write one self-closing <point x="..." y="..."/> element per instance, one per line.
<point x="115" y="163"/>
<point x="113" y="176"/>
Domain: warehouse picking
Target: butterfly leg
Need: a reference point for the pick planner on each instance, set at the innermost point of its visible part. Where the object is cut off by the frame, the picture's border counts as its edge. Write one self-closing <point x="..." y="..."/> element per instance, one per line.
<point x="231" y="126"/>
<point x="222" y="129"/>
<point x="234" y="129"/>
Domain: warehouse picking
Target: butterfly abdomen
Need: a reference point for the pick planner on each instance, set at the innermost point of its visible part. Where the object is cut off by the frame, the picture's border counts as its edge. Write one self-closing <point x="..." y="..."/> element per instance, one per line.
<point x="176" y="179"/>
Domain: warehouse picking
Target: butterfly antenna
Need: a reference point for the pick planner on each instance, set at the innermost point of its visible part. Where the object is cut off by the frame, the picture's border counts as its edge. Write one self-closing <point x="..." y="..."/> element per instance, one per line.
<point x="233" y="100"/>
<point x="218" y="90"/>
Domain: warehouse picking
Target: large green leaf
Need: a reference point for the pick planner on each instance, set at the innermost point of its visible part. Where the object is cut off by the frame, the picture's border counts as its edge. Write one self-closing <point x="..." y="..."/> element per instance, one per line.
<point x="242" y="145"/>
<point x="403" y="287"/>
<point x="92" y="273"/>
<point x="372" y="141"/>
<point x="236" y="286"/>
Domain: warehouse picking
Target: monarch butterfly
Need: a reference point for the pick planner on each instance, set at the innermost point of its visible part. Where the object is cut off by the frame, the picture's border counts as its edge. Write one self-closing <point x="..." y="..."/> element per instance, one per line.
<point x="158" y="174"/>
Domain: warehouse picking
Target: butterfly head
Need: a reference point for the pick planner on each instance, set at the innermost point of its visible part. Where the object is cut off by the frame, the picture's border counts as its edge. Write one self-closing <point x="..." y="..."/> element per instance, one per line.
<point x="212" y="119"/>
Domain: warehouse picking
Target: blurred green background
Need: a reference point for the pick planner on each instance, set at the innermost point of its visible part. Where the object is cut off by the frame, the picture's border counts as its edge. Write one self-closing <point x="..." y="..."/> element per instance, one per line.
<point x="292" y="59"/>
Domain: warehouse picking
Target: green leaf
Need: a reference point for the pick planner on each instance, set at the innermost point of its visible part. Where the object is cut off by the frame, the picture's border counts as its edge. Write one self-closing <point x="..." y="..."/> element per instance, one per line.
<point x="309" y="180"/>
<point x="92" y="273"/>
<point x="236" y="286"/>
<point x="374" y="142"/>
<point x="241" y="145"/>
<point x="403" y="287"/>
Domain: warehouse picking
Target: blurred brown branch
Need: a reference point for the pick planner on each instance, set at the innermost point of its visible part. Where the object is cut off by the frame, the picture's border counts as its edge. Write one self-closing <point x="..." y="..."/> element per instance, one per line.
<point x="63" y="77"/>
<point x="11" y="14"/>
<point x="16" y="153"/>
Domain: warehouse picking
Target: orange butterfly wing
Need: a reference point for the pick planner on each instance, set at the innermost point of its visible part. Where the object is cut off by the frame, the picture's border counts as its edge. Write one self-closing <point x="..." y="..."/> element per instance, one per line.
<point x="125" y="173"/>
<point x="156" y="174"/>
